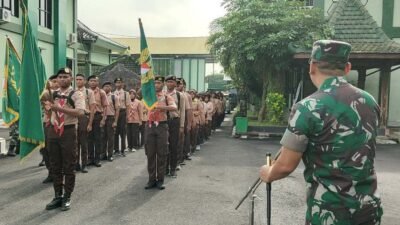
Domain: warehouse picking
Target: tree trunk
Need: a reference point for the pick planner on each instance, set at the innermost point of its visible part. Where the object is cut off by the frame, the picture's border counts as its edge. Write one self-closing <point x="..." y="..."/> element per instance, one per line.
<point x="261" y="113"/>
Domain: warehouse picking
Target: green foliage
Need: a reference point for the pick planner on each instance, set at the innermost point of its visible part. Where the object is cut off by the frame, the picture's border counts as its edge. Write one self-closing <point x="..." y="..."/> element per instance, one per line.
<point x="275" y="105"/>
<point x="257" y="38"/>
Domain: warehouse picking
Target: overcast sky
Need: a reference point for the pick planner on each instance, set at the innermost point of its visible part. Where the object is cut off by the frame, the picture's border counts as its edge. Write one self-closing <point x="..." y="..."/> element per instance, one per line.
<point x="161" y="18"/>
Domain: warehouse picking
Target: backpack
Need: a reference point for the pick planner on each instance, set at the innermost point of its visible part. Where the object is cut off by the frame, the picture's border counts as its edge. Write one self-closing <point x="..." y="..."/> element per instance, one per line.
<point x="69" y="97"/>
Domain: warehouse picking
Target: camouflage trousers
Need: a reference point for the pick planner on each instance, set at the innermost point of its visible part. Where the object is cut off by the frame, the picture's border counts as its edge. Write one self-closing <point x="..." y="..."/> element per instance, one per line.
<point x="328" y="215"/>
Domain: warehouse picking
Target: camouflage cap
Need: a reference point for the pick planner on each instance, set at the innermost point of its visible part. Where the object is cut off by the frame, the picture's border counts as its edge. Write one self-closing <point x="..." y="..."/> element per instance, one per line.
<point x="330" y="51"/>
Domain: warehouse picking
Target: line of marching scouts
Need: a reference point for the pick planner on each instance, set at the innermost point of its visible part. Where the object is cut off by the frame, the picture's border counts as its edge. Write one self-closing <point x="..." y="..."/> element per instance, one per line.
<point x="91" y="123"/>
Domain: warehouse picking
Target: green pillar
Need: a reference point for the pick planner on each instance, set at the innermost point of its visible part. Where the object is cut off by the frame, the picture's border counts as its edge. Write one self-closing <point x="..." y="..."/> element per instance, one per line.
<point x="60" y="36"/>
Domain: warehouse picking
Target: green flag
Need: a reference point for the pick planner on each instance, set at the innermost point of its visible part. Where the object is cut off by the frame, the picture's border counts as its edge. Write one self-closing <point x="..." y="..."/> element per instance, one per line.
<point x="12" y="70"/>
<point x="33" y="78"/>
<point x="146" y="71"/>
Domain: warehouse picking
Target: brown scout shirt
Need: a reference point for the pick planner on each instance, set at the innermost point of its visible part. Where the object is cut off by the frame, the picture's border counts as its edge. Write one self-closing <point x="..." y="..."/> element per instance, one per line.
<point x="88" y="96"/>
<point x="79" y="103"/>
<point x="180" y="113"/>
<point x="101" y="99"/>
<point x="124" y="98"/>
<point x="134" y="112"/>
<point x="161" y="115"/>
<point x="111" y="108"/>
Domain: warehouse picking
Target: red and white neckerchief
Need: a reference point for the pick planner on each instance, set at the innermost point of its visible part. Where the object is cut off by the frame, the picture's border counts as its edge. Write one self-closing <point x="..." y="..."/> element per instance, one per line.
<point x="59" y="122"/>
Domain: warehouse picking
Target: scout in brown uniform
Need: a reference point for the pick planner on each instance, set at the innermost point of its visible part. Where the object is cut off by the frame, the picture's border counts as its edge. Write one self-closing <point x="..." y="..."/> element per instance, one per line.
<point x="210" y="110"/>
<point x="124" y="101"/>
<point x="112" y="114"/>
<point x="134" y="120"/>
<point x="95" y="142"/>
<point x="188" y="119"/>
<point x="144" y="119"/>
<point x="67" y="106"/>
<point x="52" y="82"/>
<point x="200" y="135"/>
<point x="85" y="122"/>
<point x="195" y="122"/>
<point x="157" y="136"/>
<point x="176" y="124"/>
<point x="181" y="143"/>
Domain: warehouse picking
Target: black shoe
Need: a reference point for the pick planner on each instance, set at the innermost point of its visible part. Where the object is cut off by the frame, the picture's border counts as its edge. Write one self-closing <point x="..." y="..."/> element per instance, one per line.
<point x="40" y="164"/>
<point x="160" y="185"/>
<point x="97" y="164"/>
<point x="123" y="154"/>
<point x="66" y="202"/>
<point x="84" y="170"/>
<point x="48" y="179"/>
<point x="167" y="172"/>
<point x="182" y="163"/>
<point x="173" y="174"/>
<point x="110" y="159"/>
<point x="78" y="167"/>
<point x="188" y="158"/>
<point x="91" y="163"/>
<point x="56" y="202"/>
<point x="150" y="185"/>
<point x="104" y="158"/>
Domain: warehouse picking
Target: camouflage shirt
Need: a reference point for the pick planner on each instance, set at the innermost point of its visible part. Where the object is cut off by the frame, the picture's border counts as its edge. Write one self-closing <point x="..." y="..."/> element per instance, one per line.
<point x="335" y="129"/>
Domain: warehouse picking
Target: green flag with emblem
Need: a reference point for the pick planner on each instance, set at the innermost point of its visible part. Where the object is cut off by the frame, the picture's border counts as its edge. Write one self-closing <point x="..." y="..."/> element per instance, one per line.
<point x="33" y="78"/>
<point x="12" y="70"/>
<point x="146" y="71"/>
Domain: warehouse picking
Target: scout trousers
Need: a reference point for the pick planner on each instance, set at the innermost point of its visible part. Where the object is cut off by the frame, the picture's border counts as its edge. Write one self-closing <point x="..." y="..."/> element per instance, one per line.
<point x="82" y="151"/>
<point x="62" y="151"/>
<point x="94" y="140"/>
<point x="156" y="151"/>
<point x="133" y="135"/>
<point x="173" y="139"/>
<point x="120" y="131"/>
<point x="108" y="137"/>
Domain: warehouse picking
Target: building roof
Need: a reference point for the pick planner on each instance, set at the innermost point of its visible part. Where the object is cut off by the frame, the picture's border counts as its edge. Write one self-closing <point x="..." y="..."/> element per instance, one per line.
<point x="85" y="34"/>
<point x="353" y="23"/>
<point x="168" y="45"/>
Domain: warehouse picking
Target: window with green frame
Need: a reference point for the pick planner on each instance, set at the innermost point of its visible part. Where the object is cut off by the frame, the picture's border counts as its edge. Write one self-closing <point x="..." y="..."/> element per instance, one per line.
<point x="163" y="66"/>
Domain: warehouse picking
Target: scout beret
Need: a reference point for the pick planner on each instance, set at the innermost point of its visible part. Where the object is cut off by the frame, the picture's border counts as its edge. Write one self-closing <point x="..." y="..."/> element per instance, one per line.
<point x="52" y="77"/>
<point x="64" y="70"/>
<point x="117" y="79"/>
<point x="107" y="83"/>
<point x="159" y="78"/>
<point x="170" y="77"/>
<point x="179" y="80"/>
<point x="330" y="51"/>
<point x="92" y="77"/>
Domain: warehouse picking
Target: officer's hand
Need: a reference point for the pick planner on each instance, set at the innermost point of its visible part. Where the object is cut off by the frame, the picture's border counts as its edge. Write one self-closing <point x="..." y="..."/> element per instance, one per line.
<point x="264" y="174"/>
<point x="114" y="125"/>
<point x="89" y="128"/>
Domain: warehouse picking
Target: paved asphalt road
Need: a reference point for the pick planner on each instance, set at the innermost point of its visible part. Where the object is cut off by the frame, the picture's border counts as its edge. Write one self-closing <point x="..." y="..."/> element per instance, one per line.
<point x="205" y="192"/>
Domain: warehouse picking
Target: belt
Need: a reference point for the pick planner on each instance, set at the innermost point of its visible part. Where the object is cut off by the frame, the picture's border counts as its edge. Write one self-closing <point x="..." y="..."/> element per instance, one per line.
<point x="122" y="110"/>
<point x="68" y="126"/>
<point x="175" y="118"/>
<point x="110" y="116"/>
<point x="98" y="113"/>
<point x="159" y="122"/>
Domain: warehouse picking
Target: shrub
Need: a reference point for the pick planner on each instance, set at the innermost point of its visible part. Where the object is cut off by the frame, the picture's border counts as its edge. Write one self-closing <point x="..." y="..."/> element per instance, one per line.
<point x="275" y="106"/>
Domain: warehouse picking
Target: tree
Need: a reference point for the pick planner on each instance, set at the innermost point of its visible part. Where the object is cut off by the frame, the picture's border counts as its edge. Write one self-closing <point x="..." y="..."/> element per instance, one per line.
<point x="254" y="41"/>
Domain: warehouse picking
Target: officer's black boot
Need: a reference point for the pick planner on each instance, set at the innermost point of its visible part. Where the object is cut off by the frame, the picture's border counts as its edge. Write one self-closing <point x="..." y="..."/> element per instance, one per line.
<point x="56" y="202"/>
<point x="66" y="202"/>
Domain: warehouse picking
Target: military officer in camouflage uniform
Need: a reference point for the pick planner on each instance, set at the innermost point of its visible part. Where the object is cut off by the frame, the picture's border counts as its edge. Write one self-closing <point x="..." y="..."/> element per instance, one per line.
<point x="333" y="131"/>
